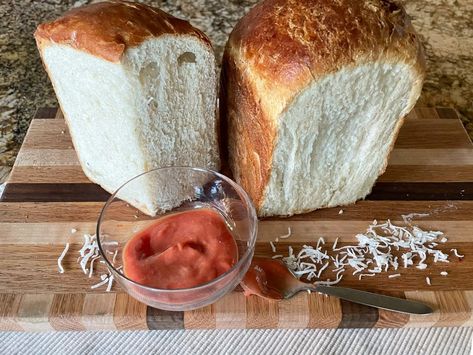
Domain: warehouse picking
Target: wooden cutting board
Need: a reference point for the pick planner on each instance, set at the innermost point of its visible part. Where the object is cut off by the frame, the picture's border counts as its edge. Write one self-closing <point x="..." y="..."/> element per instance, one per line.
<point x="430" y="171"/>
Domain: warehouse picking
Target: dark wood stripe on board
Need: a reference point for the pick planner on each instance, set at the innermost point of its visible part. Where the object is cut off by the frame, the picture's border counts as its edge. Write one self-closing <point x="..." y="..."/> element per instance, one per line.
<point x="160" y="319"/>
<point x="388" y="319"/>
<point x="412" y="191"/>
<point x="46" y="113"/>
<point x="447" y="113"/>
<point x="54" y="193"/>
<point x="358" y="316"/>
<point x="83" y="192"/>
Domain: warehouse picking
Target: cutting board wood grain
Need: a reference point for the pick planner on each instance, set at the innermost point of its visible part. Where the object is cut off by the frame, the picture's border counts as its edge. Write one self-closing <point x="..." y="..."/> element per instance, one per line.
<point x="47" y="195"/>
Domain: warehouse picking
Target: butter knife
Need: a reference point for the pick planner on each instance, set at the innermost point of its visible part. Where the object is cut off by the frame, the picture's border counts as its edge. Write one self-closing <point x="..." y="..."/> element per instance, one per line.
<point x="375" y="300"/>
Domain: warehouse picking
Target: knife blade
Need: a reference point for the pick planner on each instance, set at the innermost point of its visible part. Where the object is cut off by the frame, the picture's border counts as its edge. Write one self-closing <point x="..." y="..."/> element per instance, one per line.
<point x="375" y="300"/>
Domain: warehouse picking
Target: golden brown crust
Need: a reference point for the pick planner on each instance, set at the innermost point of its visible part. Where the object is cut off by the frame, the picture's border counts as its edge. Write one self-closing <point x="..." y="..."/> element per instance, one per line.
<point x="106" y="29"/>
<point x="250" y="140"/>
<point x="281" y="46"/>
<point x="283" y="40"/>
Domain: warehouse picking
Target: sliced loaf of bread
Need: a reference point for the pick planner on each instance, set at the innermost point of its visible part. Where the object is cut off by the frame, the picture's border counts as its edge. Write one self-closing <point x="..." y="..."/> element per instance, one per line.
<point x="314" y="93"/>
<point x="137" y="88"/>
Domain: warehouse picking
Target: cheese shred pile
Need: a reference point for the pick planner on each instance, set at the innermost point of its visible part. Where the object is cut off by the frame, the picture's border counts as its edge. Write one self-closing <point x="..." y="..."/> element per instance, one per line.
<point x="88" y="254"/>
<point x="382" y="248"/>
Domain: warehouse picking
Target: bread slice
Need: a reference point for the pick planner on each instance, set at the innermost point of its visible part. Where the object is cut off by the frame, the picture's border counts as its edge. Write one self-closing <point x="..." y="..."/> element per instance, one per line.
<point x="138" y="91"/>
<point x="313" y="94"/>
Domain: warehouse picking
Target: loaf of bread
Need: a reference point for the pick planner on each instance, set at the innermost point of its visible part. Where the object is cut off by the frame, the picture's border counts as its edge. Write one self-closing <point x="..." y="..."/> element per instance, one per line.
<point x="314" y="93"/>
<point x="137" y="88"/>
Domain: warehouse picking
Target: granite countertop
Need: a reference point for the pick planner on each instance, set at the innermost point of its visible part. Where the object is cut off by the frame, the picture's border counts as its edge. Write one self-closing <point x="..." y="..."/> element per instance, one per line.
<point x="446" y="25"/>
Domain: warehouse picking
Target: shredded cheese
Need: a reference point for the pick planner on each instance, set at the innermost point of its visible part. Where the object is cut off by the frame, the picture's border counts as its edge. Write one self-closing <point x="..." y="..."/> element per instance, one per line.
<point x="273" y="247"/>
<point x="340" y="212"/>
<point x="110" y="283"/>
<point x="330" y="283"/>
<point x="91" y="266"/>
<point x="101" y="283"/>
<point x="285" y="236"/>
<point x="427" y="279"/>
<point x="335" y="244"/>
<point x="409" y="217"/>
<point x="59" y="260"/>
<point x="444" y="273"/>
<point x="114" y="256"/>
<point x="383" y="247"/>
<point x="87" y="256"/>
<point x="456" y="253"/>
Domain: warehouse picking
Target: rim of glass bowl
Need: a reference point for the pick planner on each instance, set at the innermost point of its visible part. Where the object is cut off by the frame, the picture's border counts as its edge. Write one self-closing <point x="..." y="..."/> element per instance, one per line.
<point x="242" y="260"/>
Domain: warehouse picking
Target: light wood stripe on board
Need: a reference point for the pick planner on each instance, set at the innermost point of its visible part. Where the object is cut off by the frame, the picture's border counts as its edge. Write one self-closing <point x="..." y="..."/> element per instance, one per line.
<point x="418" y="112"/>
<point x="66" y="311"/>
<point x="48" y="134"/>
<point x="469" y="299"/>
<point x="423" y="320"/>
<point x="31" y="212"/>
<point x="293" y="313"/>
<point x="302" y="231"/>
<point x="59" y="115"/>
<point x="128" y="313"/>
<point x="454" y="308"/>
<point x="201" y="318"/>
<point x="230" y="311"/>
<point x="261" y="313"/>
<point x="42" y="260"/>
<point x="394" y="173"/>
<point x="46" y="157"/>
<point x="59" y="174"/>
<point x="9" y="304"/>
<point x="431" y="157"/>
<point x="460" y="156"/>
<point x="427" y="173"/>
<point x="33" y="313"/>
<point x="97" y="313"/>
<point x="441" y="133"/>
<point x="54" y="134"/>
<point x="325" y="311"/>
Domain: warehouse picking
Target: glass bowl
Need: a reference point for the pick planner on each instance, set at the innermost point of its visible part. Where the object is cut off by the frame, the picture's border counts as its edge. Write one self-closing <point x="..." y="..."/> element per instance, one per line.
<point x="176" y="189"/>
